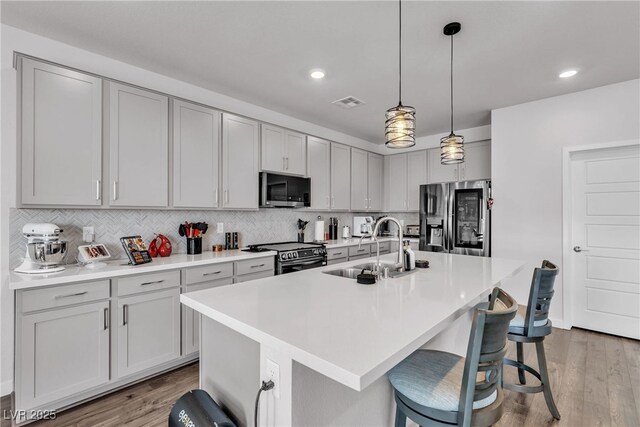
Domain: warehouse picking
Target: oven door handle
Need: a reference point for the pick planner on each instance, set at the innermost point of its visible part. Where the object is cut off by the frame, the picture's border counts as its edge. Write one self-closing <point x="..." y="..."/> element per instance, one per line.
<point x="316" y="261"/>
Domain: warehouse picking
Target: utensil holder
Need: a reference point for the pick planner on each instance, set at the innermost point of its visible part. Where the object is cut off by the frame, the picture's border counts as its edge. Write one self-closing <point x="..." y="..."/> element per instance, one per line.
<point x="194" y="245"/>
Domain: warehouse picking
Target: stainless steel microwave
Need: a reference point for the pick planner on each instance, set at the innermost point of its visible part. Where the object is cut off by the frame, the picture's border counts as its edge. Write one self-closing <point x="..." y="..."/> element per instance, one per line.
<point x="284" y="191"/>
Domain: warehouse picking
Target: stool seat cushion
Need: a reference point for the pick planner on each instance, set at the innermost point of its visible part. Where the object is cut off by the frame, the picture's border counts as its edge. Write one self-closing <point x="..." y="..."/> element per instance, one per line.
<point x="433" y="379"/>
<point x="517" y="324"/>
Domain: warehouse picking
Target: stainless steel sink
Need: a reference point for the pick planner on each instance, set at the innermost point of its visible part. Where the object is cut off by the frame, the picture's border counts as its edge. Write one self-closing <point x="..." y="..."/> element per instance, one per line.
<point x="352" y="272"/>
<point x="349" y="273"/>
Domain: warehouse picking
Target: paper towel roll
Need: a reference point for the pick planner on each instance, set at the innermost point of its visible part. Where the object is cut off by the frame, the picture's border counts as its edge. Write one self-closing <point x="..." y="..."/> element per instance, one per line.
<point x="318" y="234"/>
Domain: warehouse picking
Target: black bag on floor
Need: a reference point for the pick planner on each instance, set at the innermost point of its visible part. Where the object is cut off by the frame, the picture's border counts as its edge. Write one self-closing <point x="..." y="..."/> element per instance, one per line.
<point x="197" y="409"/>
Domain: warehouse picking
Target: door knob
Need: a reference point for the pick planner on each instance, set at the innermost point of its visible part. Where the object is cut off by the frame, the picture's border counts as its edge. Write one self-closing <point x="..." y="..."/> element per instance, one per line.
<point x="579" y="249"/>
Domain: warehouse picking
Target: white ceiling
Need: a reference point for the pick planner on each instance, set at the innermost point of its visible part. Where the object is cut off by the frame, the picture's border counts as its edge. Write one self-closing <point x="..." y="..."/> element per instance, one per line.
<point x="507" y="53"/>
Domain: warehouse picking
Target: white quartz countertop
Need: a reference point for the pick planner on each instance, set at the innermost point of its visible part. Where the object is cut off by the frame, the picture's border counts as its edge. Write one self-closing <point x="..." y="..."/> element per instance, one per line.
<point x="349" y="332"/>
<point x="116" y="268"/>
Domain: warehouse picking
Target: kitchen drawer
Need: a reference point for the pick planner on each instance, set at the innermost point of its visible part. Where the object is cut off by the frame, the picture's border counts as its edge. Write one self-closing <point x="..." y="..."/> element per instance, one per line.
<point x="337" y="260"/>
<point x="385" y="248"/>
<point x="61" y="296"/>
<point x="355" y="257"/>
<point x="207" y="273"/>
<point x="337" y="253"/>
<point x="254" y="265"/>
<point x="147" y="282"/>
<point x="354" y="251"/>
<point x="254" y="276"/>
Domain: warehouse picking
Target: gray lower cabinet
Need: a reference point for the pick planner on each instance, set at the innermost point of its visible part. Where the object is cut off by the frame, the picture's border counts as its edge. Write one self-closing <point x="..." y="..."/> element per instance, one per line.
<point x="147" y="330"/>
<point x="62" y="352"/>
<point x="191" y="318"/>
<point x="76" y="341"/>
<point x="61" y="343"/>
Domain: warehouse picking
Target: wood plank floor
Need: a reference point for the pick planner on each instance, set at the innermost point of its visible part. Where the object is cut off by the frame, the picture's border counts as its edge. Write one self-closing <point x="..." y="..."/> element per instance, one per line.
<point x="595" y="379"/>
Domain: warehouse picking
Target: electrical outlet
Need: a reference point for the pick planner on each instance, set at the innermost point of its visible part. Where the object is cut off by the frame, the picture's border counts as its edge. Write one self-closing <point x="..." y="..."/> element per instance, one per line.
<point x="273" y="374"/>
<point x="220" y="227"/>
<point x="88" y="234"/>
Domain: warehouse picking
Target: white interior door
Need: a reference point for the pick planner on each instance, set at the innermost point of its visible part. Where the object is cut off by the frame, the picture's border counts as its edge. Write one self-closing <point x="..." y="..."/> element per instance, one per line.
<point x="604" y="260"/>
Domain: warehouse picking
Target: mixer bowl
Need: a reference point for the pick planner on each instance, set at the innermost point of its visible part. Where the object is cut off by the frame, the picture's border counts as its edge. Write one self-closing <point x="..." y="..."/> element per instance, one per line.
<point x="48" y="254"/>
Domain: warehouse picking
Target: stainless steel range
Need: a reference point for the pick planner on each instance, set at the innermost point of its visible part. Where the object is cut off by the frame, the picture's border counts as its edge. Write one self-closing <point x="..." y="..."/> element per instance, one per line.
<point x="294" y="256"/>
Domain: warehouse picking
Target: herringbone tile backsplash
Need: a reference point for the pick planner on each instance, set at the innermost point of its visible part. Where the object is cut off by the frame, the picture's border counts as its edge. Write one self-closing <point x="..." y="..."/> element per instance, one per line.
<point x="262" y="226"/>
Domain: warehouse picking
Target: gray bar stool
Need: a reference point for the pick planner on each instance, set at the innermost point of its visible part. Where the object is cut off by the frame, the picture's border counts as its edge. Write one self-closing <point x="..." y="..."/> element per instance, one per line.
<point x="439" y="388"/>
<point x="532" y="329"/>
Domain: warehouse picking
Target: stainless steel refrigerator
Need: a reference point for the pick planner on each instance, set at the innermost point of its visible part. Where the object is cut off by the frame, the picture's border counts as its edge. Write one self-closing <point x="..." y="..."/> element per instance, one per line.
<point x="455" y="217"/>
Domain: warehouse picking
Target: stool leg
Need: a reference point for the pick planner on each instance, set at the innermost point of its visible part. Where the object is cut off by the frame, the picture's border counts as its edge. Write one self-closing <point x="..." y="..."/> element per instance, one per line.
<point x="542" y="364"/>
<point x="520" y="354"/>
<point x="401" y="419"/>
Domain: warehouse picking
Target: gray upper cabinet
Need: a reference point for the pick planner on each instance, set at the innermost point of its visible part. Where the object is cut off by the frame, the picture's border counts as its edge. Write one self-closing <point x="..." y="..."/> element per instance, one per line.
<point x="476" y="165"/>
<point x="477" y="162"/>
<point x="439" y="172"/>
<point x="240" y="145"/>
<point x="366" y="181"/>
<point x="404" y="174"/>
<point x="283" y="151"/>
<point x="359" y="180"/>
<point x="196" y="155"/>
<point x="416" y="176"/>
<point x="148" y="331"/>
<point x="340" y="177"/>
<point x="375" y="189"/>
<point x="319" y="170"/>
<point x="61" y="136"/>
<point x="138" y="147"/>
<point x="395" y="190"/>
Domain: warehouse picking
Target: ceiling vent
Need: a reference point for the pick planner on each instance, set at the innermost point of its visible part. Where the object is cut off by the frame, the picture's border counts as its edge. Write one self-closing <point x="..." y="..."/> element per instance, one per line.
<point x="348" y="102"/>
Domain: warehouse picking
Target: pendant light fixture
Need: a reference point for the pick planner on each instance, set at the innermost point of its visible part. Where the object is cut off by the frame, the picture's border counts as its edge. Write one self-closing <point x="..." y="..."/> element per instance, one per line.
<point x="452" y="146"/>
<point x="400" y="125"/>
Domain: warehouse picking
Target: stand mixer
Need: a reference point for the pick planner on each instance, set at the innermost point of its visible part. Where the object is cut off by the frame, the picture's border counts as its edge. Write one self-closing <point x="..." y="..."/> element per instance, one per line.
<point x="45" y="250"/>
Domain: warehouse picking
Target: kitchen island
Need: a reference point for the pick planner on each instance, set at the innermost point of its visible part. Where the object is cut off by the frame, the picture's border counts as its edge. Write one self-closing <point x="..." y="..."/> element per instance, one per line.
<point x="332" y="339"/>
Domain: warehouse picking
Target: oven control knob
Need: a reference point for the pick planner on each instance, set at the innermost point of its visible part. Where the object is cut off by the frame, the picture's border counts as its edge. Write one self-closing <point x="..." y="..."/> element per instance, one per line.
<point x="295" y="254"/>
<point x="315" y="252"/>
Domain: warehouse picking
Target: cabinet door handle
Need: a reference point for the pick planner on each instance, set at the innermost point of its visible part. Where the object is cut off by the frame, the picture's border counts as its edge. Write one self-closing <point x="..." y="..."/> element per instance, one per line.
<point x="151" y="283"/>
<point x="257" y="265"/>
<point x="212" y="273"/>
<point x="97" y="189"/>
<point x="287" y="160"/>
<point x="226" y="197"/>
<point x="333" y="201"/>
<point x="462" y="169"/>
<point x="106" y="318"/>
<point x="284" y="164"/>
<point x="115" y="190"/>
<point x="70" y="295"/>
<point x="337" y="253"/>
<point x="125" y="309"/>
<point x="215" y="195"/>
<point x="328" y="202"/>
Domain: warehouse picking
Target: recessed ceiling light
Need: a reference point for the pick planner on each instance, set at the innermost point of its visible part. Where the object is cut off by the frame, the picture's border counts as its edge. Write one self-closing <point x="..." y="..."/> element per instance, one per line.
<point x="568" y="73"/>
<point x="316" y="74"/>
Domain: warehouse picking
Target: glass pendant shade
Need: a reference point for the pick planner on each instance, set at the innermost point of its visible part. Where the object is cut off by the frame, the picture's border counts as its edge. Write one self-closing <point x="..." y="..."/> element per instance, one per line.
<point x="452" y="149"/>
<point x="400" y="127"/>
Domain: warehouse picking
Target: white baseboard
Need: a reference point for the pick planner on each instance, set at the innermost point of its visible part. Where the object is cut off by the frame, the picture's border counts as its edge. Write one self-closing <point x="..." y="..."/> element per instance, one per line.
<point x="559" y="323"/>
<point x="6" y="387"/>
